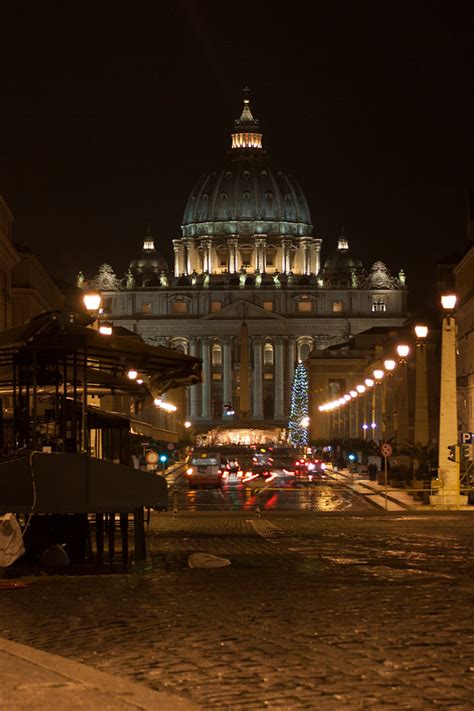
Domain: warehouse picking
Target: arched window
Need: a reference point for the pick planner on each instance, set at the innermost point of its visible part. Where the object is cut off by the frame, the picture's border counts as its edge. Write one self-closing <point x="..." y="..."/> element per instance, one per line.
<point x="216" y="354"/>
<point x="268" y="354"/>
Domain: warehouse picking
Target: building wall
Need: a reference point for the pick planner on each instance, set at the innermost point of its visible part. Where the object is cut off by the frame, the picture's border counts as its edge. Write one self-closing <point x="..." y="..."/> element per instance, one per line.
<point x="464" y="286"/>
<point x="8" y="259"/>
<point x="32" y="289"/>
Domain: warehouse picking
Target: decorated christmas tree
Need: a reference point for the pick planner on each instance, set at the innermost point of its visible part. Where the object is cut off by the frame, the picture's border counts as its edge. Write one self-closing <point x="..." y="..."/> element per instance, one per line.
<point x="299" y="420"/>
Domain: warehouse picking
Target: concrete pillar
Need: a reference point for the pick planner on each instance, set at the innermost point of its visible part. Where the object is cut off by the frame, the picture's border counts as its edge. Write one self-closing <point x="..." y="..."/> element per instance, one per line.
<point x="227" y="374"/>
<point x="206" y="378"/>
<point x="193" y="389"/>
<point x="388" y="407"/>
<point x="257" y="410"/>
<point x="279" y="413"/>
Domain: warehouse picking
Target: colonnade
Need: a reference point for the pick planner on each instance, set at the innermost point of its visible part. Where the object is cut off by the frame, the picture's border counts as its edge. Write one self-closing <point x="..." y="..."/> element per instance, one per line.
<point x="199" y="255"/>
<point x="284" y="354"/>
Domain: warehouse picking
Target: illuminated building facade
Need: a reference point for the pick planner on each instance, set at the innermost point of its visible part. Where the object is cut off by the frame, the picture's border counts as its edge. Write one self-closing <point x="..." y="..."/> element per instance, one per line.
<point x="247" y="255"/>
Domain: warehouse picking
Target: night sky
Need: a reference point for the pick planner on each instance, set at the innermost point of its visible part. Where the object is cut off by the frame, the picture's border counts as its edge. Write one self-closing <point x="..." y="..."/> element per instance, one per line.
<point x="108" y="117"/>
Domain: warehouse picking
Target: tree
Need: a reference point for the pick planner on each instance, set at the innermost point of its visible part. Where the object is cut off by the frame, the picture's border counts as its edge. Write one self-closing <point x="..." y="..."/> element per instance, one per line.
<point x="299" y="420"/>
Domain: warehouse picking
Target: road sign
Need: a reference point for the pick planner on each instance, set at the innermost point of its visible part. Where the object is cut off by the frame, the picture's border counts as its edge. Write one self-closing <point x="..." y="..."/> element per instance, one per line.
<point x="170" y="445"/>
<point x="467" y="437"/>
<point x="386" y="449"/>
<point x="151" y="456"/>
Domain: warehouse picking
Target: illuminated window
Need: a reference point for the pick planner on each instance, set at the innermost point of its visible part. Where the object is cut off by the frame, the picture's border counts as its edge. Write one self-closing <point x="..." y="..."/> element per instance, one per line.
<point x="217" y="376"/>
<point x="146" y="308"/>
<point x="216" y="354"/>
<point x="216" y="306"/>
<point x="268" y="376"/>
<point x="304" y="307"/>
<point x="379" y="305"/>
<point x="268" y="354"/>
<point x="179" y="307"/>
<point x="337" y="307"/>
<point x="268" y="305"/>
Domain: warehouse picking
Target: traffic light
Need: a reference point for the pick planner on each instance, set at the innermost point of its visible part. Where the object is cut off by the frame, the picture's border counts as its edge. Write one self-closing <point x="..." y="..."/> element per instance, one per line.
<point x="452" y="452"/>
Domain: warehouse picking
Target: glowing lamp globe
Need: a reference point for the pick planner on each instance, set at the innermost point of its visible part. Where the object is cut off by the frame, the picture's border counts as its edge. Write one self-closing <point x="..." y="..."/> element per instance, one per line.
<point x="369" y="382"/>
<point x="421" y="331"/>
<point x="389" y="364"/>
<point x="448" y="302"/>
<point x="92" y="300"/>
<point x="403" y="350"/>
<point x="347" y="398"/>
<point x="360" y="389"/>
<point x="353" y="393"/>
<point x="378" y="374"/>
<point x="105" y="328"/>
<point x="132" y="374"/>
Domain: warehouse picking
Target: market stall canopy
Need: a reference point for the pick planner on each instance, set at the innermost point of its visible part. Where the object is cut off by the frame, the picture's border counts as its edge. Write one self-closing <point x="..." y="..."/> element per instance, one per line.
<point x="43" y="337"/>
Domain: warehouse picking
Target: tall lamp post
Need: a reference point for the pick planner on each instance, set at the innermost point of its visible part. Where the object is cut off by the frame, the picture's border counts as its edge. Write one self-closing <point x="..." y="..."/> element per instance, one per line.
<point x="448" y="470"/>
<point x="402" y="422"/>
<point x="377" y="402"/>
<point x="387" y="400"/>
<point x="421" y="435"/>
<point x="353" y="418"/>
<point x="369" y="383"/>
<point x="361" y="390"/>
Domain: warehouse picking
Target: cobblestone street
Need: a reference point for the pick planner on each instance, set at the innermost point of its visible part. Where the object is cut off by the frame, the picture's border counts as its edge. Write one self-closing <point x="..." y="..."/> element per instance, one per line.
<point x="330" y="611"/>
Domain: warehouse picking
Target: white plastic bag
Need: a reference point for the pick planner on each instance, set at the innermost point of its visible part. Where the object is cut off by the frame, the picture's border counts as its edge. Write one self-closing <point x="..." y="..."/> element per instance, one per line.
<point x="11" y="540"/>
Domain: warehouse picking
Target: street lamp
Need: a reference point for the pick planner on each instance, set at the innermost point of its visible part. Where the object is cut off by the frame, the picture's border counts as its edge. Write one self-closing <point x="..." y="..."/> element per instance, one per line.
<point x="105" y="328"/>
<point x="402" y="423"/>
<point x="92" y="300"/>
<point x="361" y="390"/>
<point x="421" y="434"/>
<point x="378" y="374"/>
<point x="448" y="472"/>
<point x="387" y="399"/>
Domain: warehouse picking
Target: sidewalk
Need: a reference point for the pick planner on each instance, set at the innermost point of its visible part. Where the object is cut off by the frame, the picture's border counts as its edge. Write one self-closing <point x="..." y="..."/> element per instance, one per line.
<point x="38" y="680"/>
<point x="398" y="500"/>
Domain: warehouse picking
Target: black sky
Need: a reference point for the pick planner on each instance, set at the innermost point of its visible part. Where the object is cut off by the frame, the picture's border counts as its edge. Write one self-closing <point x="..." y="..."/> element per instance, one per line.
<point x="109" y="116"/>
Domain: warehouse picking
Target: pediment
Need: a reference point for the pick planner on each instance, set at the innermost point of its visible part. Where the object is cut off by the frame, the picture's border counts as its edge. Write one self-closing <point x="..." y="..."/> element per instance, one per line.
<point x="242" y="310"/>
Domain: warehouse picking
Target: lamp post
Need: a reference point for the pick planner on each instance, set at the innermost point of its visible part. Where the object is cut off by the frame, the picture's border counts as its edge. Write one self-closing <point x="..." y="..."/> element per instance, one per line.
<point x="361" y="390"/>
<point x="421" y="435"/>
<point x="377" y="402"/>
<point x="448" y="470"/>
<point x="387" y="400"/>
<point x="368" y="384"/>
<point x="353" y="420"/>
<point x="401" y="423"/>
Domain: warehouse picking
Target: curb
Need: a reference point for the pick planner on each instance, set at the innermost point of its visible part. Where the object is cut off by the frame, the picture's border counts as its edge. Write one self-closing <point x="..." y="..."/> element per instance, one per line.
<point x="112" y="692"/>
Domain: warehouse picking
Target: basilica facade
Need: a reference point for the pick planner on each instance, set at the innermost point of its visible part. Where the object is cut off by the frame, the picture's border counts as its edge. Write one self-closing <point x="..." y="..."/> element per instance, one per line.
<point x="248" y="292"/>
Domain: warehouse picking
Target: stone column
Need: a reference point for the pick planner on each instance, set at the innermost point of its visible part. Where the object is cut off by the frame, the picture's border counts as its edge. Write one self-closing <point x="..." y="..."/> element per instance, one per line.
<point x="193" y="389"/>
<point x="232" y="260"/>
<point x="285" y="256"/>
<point x="279" y="413"/>
<point x="192" y="260"/>
<point x="206" y="379"/>
<point x="316" y="256"/>
<point x="178" y="257"/>
<point x="291" y="362"/>
<point x="227" y="375"/>
<point x="260" y="254"/>
<point x="257" y="410"/>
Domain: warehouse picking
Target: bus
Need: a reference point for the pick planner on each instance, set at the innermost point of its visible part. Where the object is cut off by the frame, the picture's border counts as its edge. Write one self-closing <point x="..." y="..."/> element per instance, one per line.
<point x="204" y="469"/>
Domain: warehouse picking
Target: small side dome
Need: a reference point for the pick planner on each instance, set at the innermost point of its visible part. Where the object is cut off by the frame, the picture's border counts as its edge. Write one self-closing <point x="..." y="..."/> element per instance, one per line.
<point x="342" y="259"/>
<point x="149" y="261"/>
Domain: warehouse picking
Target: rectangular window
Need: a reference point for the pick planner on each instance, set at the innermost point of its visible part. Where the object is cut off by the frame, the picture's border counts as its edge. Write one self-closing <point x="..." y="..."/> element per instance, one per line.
<point x="106" y="305"/>
<point x="304" y="307"/>
<point x="268" y="305"/>
<point x="268" y="376"/>
<point x="379" y="305"/>
<point x="337" y="307"/>
<point x="216" y="306"/>
<point x="217" y="376"/>
<point x="146" y="307"/>
<point x="179" y="307"/>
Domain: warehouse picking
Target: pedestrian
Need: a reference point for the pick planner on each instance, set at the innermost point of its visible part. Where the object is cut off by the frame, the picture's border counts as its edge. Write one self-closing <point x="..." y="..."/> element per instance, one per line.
<point x="372" y="469"/>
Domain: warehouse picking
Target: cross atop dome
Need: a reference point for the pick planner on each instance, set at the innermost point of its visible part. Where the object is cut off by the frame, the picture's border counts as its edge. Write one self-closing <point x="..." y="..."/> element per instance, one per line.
<point x="246" y="129"/>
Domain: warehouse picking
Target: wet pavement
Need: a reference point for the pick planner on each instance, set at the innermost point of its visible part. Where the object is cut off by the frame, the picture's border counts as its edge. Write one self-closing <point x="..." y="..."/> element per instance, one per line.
<point x="317" y="610"/>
